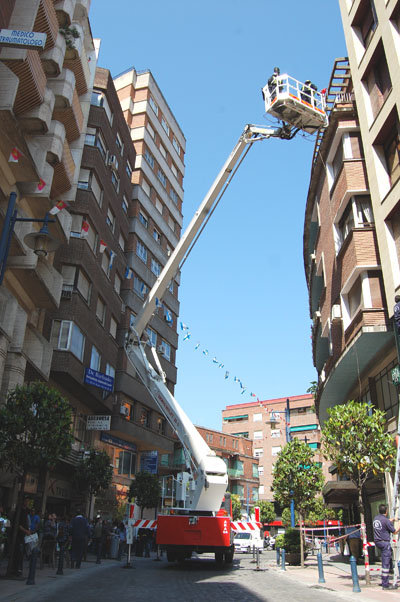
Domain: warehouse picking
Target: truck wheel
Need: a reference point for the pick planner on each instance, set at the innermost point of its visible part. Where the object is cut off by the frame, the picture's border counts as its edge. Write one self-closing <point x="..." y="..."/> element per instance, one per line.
<point x="219" y="557"/>
<point x="170" y="556"/>
<point x="229" y="557"/>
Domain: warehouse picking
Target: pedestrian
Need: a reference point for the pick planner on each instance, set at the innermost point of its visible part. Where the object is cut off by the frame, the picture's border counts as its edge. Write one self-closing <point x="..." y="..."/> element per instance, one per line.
<point x="79" y="531"/>
<point x="121" y="532"/>
<point x="97" y="531"/>
<point x="23" y="530"/>
<point x="383" y="527"/>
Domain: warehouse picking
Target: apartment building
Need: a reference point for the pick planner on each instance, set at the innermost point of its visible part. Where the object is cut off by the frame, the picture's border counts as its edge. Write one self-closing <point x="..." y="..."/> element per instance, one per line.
<point x="265" y="424"/>
<point x="44" y="105"/>
<point x="351" y="252"/>
<point x="242" y="465"/>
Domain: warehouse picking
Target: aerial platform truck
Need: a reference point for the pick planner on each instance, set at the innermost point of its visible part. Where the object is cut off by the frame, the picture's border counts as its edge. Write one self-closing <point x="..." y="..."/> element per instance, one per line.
<point x="193" y="518"/>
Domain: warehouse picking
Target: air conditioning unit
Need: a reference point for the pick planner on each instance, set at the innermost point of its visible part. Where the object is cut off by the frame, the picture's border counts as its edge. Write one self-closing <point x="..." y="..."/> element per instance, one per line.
<point x="336" y="312"/>
<point x="317" y="315"/>
<point x="124" y="411"/>
<point x="313" y="256"/>
<point x="113" y="162"/>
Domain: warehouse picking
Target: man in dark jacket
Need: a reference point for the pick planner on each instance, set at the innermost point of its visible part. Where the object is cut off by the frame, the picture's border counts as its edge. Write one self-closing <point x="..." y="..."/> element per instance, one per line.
<point x="383" y="527"/>
<point x="80" y="532"/>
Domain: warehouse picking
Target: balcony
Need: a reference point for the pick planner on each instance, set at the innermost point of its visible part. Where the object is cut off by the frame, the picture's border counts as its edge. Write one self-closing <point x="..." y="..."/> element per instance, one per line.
<point x="41" y="282"/>
<point x="76" y="60"/>
<point x="53" y="59"/>
<point x="28" y="68"/>
<point x="8" y="312"/>
<point x="63" y="88"/>
<point x="351" y="179"/>
<point x="145" y="438"/>
<point x="64" y="11"/>
<point x="38" y="194"/>
<point x="46" y="22"/>
<point x="358" y="250"/>
<point x="72" y="118"/>
<point x="38" y="351"/>
<point x="82" y="9"/>
<point x="37" y="120"/>
<point x="320" y="346"/>
<point x="234" y="473"/>
<point x="63" y="173"/>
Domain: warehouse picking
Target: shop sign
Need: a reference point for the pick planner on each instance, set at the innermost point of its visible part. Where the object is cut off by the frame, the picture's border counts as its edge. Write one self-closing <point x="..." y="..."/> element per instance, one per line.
<point x="149" y="462"/>
<point x="17" y="38"/>
<point x="98" y="423"/>
<point x="98" y="379"/>
<point x="111" y="440"/>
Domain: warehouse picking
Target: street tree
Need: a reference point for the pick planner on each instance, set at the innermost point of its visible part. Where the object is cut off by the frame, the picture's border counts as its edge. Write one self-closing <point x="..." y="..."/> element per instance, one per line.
<point x="35" y="430"/>
<point x="355" y="439"/>
<point x="296" y="476"/>
<point x="319" y="511"/>
<point x="236" y="507"/>
<point x="287" y="517"/>
<point x="146" y="490"/>
<point x="94" y="473"/>
<point x="267" y="511"/>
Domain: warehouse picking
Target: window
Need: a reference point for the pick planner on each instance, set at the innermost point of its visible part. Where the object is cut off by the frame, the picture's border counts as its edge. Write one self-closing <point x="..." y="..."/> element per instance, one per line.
<point x="153" y="105"/>
<point x="258" y="452"/>
<point x="346" y="223"/>
<point x="140" y="288"/>
<point x="113" y="327"/>
<point x="119" y="144"/>
<point x="117" y="284"/>
<point x="174" y="170"/>
<point x="115" y="180"/>
<point x="165" y="125"/>
<point x="124" y="205"/>
<point x="88" y="181"/>
<point x="110" y="219"/>
<point x="354" y="298"/>
<point x="99" y="100"/>
<point x="152" y="336"/>
<point x="260" y="471"/>
<point x="275" y="450"/>
<point x="143" y="219"/>
<point x="110" y="370"/>
<point x="121" y="242"/>
<point x="84" y="286"/>
<point x="209" y="437"/>
<point x="176" y="145"/>
<point x="162" y="177"/>
<point x="93" y="137"/>
<point x="90" y="235"/>
<point x="392" y="156"/>
<point x="157" y="236"/>
<point x="163" y="151"/>
<point x="257" y="435"/>
<point x="168" y="317"/>
<point x="261" y="490"/>
<point x="173" y="196"/>
<point x="357" y="214"/>
<point x="255" y="471"/>
<point x="155" y="267"/>
<point x="146" y="187"/>
<point x="105" y="263"/>
<point x="95" y="359"/>
<point x="166" y="350"/>
<point x="150" y="130"/>
<point x="100" y="310"/>
<point x="338" y="159"/>
<point x="67" y="336"/>
<point x="128" y="170"/>
<point x="275" y="433"/>
<point x="257" y="417"/>
<point x="126" y="463"/>
<point x="149" y="158"/>
<point x="159" y="205"/>
<point x="160" y="425"/>
<point x="141" y="251"/>
<point x="377" y="81"/>
<point x="171" y="223"/>
<point x="144" y="417"/>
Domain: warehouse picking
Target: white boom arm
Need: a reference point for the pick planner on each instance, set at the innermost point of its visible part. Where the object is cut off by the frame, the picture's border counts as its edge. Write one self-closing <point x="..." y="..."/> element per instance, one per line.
<point x="208" y="474"/>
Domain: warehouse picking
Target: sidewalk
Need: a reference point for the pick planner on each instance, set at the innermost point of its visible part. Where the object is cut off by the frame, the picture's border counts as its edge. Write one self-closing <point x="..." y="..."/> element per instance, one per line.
<point x="14" y="589"/>
<point x="337" y="574"/>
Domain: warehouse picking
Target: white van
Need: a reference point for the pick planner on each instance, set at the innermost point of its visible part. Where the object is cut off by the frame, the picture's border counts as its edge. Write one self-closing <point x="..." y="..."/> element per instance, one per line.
<point x="246" y="540"/>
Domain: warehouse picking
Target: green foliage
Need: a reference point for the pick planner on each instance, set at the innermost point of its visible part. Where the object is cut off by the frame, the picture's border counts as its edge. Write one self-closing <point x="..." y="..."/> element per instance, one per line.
<point x="291" y="540"/>
<point x="70" y="34"/>
<point x="267" y="511"/>
<point x="313" y="388"/>
<point x="279" y="540"/>
<point x="35" y="428"/>
<point x="236" y="507"/>
<point x="94" y="472"/>
<point x="320" y="511"/>
<point x="287" y="517"/>
<point x="355" y="439"/>
<point x="146" y="490"/>
<point x="296" y="476"/>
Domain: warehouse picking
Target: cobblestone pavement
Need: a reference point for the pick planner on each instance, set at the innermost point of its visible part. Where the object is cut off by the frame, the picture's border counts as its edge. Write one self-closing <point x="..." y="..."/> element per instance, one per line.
<point x="196" y="580"/>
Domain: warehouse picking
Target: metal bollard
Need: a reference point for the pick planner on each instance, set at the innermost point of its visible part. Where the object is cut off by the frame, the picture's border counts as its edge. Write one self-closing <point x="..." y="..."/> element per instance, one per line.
<point x="157" y="558"/>
<point x="283" y="555"/>
<point x="258" y="560"/>
<point x="321" y="578"/>
<point x="60" y="560"/>
<point x="354" y="574"/>
<point x="32" y="566"/>
<point x="253" y="561"/>
<point x="278" y="556"/>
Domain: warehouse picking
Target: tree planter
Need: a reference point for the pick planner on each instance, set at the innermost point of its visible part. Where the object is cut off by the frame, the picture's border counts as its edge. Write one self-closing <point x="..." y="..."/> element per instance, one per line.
<point x="294" y="558"/>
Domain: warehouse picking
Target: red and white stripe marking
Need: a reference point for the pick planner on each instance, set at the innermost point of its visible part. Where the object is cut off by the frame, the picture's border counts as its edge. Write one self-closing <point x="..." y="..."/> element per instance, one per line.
<point x="240" y="526"/>
<point x="145" y="524"/>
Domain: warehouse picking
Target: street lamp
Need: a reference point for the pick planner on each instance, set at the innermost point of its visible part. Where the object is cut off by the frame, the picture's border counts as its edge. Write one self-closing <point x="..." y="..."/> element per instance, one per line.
<point x="41" y="242"/>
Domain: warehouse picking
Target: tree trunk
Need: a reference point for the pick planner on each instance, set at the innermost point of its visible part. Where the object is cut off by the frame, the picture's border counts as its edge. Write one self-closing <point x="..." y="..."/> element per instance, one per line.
<point x="15" y="526"/>
<point x="301" y="540"/>
<point x="368" y="524"/>
<point x="364" y="538"/>
<point x="45" y="475"/>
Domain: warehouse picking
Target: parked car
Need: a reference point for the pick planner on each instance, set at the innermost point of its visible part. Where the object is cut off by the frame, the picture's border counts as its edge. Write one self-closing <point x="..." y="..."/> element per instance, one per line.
<point x="244" y="542"/>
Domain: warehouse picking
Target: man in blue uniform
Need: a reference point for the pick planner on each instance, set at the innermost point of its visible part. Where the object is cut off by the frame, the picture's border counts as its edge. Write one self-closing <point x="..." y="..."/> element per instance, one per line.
<point x="383" y="527"/>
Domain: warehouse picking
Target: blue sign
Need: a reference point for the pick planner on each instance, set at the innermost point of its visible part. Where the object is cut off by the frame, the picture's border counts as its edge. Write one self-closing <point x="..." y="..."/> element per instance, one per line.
<point x="149" y="462"/>
<point x="111" y="440"/>
<point x="98" y="379"/>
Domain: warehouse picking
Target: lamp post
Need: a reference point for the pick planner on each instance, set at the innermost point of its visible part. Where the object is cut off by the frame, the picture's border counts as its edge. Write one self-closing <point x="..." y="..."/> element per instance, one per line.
<point x="41" y="242"/>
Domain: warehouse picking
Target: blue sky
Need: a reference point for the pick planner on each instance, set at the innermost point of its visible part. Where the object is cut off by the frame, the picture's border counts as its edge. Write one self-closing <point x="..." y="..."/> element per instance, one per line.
<point x="243" y="292"/>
